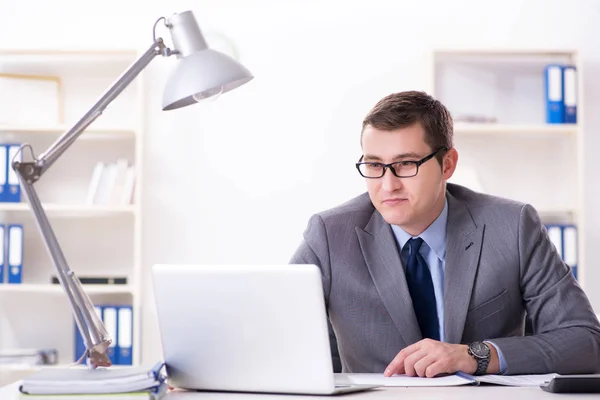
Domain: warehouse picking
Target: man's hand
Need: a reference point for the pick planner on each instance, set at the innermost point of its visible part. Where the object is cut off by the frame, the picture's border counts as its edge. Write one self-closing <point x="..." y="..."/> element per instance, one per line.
<point x="428" y="358"/>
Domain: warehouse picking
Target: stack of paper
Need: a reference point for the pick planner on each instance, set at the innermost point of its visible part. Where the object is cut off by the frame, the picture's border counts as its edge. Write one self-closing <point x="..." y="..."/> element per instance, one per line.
<point x="112" y="380"/>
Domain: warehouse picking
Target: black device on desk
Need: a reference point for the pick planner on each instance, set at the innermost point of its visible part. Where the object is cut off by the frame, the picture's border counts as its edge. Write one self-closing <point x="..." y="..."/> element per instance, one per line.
<point x="573" y="384"/>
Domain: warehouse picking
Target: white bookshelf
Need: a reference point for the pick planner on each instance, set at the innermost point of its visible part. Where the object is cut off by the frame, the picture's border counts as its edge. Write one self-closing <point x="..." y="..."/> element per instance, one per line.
<point x="90" y="133"/>
<point x="126" y="289"/>
<point x="514" y="152"/>
<point x="464" y="128"/>
<point x="96" y="239"/>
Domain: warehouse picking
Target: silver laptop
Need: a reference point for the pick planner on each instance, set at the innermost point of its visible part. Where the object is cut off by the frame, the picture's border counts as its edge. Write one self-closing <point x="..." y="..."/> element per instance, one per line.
<point x="245" y="328"/>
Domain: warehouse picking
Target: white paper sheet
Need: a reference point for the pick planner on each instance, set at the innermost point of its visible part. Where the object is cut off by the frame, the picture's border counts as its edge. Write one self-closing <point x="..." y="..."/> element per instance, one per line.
<point x="451" y="380"/>
<point x="516" y="380"/>
<point x="403" y="380"/>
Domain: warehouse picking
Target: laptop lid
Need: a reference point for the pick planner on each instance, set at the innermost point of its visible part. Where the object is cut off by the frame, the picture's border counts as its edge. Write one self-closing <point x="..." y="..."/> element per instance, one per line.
<point x="249" y="328"/>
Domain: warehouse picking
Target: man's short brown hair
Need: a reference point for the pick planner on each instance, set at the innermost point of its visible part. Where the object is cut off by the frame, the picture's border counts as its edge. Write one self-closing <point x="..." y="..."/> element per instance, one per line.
<point x="399" y="110"/>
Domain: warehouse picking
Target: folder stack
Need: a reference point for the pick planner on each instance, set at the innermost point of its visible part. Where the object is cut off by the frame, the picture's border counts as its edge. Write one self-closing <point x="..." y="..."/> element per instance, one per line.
<point x="118" y="320"/>
<point x="10" y="189"/>
<point x="11" y="253"/>
<point x="136" y="381"/>
<point x="564" y="238"/>
<point x="561" y="94"/>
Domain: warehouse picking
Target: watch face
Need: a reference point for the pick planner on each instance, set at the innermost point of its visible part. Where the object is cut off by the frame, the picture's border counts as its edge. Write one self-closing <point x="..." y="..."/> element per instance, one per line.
<point x="480" y="349"/>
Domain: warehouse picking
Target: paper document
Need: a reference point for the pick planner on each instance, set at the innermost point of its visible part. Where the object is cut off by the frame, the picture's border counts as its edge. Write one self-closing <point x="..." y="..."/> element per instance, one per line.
<point x="403" y="380"/>
<point x="450" y="380"/>
<point x="516" y="380"/>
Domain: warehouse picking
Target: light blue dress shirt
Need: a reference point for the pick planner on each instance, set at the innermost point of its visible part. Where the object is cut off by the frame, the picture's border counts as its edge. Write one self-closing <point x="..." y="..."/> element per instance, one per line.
<point x="433" y="251"/>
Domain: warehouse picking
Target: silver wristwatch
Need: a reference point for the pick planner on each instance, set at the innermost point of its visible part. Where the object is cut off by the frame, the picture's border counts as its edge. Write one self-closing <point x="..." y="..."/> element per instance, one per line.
<point x="482" y="354"/>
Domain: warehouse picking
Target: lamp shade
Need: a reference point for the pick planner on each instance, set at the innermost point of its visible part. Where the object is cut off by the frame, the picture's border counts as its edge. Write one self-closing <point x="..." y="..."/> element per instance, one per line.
<point x="201" y="75"/>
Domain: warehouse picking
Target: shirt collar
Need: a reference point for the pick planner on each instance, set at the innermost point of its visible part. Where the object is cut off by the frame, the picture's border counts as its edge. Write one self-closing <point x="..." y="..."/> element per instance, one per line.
<point x="434" y="235"/>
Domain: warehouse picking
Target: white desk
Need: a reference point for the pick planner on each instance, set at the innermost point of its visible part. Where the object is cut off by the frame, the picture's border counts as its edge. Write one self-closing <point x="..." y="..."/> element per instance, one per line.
<point x="11" y="392"/>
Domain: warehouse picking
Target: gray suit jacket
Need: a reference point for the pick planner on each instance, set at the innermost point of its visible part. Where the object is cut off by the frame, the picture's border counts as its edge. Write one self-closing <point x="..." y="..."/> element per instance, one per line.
<point x="500" y="266"/>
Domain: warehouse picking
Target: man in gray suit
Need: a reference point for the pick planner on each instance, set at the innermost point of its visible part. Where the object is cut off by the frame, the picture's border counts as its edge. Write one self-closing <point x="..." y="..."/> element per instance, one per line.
<point x="425" y="277"/>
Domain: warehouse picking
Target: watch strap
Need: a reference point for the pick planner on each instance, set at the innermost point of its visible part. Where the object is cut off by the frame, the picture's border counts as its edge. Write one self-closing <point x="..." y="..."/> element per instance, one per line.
<point x="482" y="365"/>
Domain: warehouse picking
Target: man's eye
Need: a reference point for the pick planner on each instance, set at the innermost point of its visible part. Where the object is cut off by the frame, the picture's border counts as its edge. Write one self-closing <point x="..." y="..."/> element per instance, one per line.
<point x="374" y="165"/>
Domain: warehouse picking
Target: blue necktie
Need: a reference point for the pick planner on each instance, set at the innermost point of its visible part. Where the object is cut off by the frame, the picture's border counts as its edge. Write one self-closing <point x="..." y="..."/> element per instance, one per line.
<point x="421" y="290"/>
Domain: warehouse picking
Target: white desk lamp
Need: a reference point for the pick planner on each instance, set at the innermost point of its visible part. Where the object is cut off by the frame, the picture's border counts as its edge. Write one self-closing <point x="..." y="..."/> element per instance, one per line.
<point x="202" y="72"/>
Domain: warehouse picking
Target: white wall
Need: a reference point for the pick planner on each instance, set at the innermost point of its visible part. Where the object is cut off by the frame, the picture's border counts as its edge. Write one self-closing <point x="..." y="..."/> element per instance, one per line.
<point x="236" y="180"/>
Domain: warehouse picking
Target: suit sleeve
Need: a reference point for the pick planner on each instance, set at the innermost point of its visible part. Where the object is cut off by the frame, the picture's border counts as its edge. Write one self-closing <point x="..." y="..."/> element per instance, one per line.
<point x="566" y="337"/>
<point x="314" y="249"/>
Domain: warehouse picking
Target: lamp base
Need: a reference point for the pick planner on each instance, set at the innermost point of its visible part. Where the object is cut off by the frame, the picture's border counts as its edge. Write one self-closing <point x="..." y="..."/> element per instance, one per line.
<point x="99" y="358"/>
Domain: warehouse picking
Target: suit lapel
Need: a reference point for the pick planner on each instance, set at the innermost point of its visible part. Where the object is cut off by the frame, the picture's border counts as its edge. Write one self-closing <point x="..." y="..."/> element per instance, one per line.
<point x="463" y="247"/>
<point x="382" y="257"/>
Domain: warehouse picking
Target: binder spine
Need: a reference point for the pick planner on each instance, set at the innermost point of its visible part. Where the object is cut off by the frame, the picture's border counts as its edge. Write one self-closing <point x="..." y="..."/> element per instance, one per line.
<point x="15" y="253"/>
<point x="3" y="260"/>
<point x="125" y="336"/>
<point x="570" y="94"/>
<point x="554" y="94"/>
<point x="111" y="322"/>
<point x="13" y="195"/>
<point x="4" y="165"/>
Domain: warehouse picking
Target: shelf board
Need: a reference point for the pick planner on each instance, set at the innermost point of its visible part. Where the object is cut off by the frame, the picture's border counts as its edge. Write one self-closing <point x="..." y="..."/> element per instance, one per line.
<point x="75" y="210"/>
<point x="556" y="211"/>
<point x="563" y="215"/>
<point x="62" y="56"/>
<point x="43" y="288"/>
<point x="461" y="128"/>
<point x="92" y="132"/>
<point x="512" y="61"/>
<point x="506" y="52"/>
<point x="497" y="57"/>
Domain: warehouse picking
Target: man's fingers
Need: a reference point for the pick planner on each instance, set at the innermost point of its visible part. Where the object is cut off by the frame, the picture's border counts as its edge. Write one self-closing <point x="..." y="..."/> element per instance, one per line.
<point x="435" y="369"/>
<point x="421" y="366"/>
<point x="396" y="366"/>
<point x="411" y="361"/>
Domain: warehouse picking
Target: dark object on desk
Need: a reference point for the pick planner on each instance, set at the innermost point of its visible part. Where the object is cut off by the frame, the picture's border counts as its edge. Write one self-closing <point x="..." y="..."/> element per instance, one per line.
<point x="573" y="384"/>
<point x="98" y="280"/>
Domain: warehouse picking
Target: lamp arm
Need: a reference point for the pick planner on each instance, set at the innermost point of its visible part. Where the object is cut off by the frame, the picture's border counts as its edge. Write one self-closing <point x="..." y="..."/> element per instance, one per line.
<point x="46" y="159"/>
<point x="93" y="331"/>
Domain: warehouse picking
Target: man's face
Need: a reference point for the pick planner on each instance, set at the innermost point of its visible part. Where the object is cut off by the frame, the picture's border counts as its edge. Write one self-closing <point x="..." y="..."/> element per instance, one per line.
<point x="411" y="203"/>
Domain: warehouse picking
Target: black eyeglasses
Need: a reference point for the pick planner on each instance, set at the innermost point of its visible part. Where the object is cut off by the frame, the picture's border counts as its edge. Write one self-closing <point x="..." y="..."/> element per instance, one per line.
<point x="401" y="169"/>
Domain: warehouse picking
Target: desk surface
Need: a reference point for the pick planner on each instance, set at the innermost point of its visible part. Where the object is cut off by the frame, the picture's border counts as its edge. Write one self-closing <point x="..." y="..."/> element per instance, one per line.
<point x="11" y="392"/>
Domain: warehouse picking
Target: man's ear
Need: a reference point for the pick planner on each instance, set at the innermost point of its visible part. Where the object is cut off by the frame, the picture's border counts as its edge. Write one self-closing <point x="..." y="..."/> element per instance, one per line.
<point x="449" y="163"/>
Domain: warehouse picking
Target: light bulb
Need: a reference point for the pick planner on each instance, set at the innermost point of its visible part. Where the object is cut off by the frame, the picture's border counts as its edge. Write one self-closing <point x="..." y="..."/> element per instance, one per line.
<point x="213" y="93"/>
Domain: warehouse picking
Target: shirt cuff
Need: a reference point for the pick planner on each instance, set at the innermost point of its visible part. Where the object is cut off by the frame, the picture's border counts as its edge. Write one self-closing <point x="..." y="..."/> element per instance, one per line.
<point x="500" y="358"/>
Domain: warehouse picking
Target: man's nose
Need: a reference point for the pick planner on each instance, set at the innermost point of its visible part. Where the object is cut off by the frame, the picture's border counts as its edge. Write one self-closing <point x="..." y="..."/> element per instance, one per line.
<point x="390" y="182"/>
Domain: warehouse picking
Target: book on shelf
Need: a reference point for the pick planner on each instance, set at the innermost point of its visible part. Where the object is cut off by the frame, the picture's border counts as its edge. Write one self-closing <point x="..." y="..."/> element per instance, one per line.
<point x="97" y="280"/>
<point x="112" y="183"/>
<point x="82" y="380"/>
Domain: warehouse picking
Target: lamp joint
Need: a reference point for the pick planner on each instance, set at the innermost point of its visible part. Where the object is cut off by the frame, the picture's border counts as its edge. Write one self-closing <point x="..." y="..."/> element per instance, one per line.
<point x="29" y="171"/>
